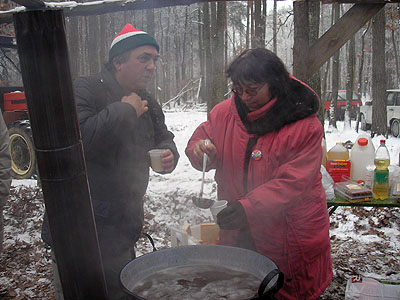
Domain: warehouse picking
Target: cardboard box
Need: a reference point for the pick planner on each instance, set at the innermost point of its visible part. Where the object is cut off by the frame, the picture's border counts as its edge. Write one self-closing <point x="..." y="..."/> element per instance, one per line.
<point x="204" y="234"/>
<point x="338" y="169"/>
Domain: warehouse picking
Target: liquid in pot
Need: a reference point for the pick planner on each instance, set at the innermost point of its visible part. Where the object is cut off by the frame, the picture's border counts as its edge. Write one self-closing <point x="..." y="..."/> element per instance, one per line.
<point x="198" y="282"/>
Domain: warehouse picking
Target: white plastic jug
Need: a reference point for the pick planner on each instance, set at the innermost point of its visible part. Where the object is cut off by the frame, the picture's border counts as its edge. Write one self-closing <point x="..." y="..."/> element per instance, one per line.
<point x="338" y="152"/>
<point x="361" y="156"/>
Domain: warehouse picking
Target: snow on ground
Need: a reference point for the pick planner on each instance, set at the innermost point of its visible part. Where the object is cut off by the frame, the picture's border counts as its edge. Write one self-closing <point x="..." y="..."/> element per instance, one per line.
<point x="364" y="241"/>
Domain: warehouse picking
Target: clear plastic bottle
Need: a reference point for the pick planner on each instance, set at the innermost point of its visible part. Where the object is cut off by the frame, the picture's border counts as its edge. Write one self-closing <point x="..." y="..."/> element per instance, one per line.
<point x="381" y="175"/>
<point x="362" y="155"/>
<point x="338" y="152"/>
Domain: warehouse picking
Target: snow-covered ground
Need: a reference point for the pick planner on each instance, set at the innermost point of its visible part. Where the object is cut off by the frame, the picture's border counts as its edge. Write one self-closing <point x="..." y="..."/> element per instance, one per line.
<point x="364" y="241"/>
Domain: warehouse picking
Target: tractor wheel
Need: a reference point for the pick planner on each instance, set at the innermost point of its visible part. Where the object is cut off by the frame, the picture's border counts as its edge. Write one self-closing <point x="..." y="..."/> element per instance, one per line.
<point x="23" y="159"/>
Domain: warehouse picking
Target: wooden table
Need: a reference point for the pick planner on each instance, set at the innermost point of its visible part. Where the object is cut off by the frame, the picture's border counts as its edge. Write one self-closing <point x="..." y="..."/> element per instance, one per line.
<point x="341" y="201"/>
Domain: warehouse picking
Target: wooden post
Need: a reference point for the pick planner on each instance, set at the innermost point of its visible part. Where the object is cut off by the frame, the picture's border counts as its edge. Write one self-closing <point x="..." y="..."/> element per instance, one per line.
<point x="43" y="53"/>
<point x="301" y="40"/>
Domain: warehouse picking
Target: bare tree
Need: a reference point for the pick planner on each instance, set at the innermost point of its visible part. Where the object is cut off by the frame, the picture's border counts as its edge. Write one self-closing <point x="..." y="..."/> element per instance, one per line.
<point x="379" y="116"/>
<point x="218" y="82"/>
<point x="274" y="27"/>
<point x="335" y="74"/>
<point x="314" y="82"/>
<point x="350" y="82"/>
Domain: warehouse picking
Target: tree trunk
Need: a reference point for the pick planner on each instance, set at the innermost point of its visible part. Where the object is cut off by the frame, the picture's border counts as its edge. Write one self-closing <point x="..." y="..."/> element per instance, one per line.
<point x="350" y="82"/>
<point x="73" y="45"/>
<point x="248" y="14"/>
<point x="150" y="29"/>
<point x="218" y="88"/>
<point x="257" y="41"/>
<point x="93" y="44"/>
<point x="360" y="71"/>
<point x="274" y="27"/>
<point x="301" y="39"/>
<point x="379" y="115"/>
<point x="396" y="57"/>
<point x="333" y="112"/>
<point x="201" y="58"/>
<point x="315" y="80"/>
<point x="208" y="57"/>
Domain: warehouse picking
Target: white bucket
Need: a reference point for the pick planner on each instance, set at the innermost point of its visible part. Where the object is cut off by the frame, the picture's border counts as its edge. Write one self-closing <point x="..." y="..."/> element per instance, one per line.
<point x="362" y="155"/>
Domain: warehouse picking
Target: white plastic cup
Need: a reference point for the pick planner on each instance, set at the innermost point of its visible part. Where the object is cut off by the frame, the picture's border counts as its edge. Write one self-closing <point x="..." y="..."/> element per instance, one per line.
<point x="155" y="157"/>
<point x="217" y="207"/>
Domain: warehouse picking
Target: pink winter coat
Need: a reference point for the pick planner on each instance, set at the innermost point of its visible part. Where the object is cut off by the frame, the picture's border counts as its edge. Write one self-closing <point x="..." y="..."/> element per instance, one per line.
<point x="285" y="202"/>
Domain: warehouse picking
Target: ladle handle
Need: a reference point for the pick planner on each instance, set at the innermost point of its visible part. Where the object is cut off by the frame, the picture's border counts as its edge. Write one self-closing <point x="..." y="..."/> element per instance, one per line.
<point x="274" y="289"/>
<point x="206" y="142"/>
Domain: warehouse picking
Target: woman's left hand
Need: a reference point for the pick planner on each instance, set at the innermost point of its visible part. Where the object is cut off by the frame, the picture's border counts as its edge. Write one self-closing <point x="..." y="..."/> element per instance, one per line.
<point x="232" y="217"/>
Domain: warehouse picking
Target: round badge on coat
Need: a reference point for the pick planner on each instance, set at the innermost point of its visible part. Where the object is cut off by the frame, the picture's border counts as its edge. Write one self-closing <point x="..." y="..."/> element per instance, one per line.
<point x="256" y="155"/>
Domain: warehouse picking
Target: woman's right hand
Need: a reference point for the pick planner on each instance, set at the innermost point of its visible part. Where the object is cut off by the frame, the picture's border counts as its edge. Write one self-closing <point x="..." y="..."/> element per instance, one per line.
<point x="200" y="148"/>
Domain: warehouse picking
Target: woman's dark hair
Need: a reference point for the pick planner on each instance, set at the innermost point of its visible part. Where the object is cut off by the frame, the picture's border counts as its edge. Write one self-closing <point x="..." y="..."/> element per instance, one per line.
<point x="260" y="66"/>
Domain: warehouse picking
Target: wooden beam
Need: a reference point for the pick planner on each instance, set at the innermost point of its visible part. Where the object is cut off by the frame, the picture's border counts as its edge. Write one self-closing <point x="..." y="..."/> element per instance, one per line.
<point x="99" y="7"/>
<point x="339" y="34"/>
<point x="352" y="1"/>
<point x="43" y="53"/>
<point x="31" y="4"/>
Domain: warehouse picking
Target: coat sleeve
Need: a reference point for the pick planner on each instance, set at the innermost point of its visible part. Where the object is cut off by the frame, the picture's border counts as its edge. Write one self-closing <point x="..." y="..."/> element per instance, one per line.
<point x="296" y="178"/>
<point x="5" y="162"/>
<point x="101" y="129"/>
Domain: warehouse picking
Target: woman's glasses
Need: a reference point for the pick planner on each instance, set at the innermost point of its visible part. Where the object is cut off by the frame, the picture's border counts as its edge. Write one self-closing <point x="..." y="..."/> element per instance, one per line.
<point x="249" y="91"/>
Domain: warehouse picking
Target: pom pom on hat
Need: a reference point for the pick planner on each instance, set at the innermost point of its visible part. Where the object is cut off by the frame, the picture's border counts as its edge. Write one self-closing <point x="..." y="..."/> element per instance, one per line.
<point x="130" y="38"/>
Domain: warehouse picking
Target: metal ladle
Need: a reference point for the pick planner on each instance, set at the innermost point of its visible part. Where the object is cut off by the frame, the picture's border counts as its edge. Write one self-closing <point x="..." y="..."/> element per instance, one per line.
<point x="200" y="201"/>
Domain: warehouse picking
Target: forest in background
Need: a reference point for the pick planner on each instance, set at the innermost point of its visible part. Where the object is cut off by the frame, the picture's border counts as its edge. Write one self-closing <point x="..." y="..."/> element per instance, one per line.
<point x="198" y="41"/>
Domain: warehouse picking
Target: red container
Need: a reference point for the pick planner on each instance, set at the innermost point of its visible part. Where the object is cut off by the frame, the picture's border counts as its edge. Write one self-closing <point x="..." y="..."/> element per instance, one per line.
<point x="15" y="101"/>
<point x="338" y="169"/>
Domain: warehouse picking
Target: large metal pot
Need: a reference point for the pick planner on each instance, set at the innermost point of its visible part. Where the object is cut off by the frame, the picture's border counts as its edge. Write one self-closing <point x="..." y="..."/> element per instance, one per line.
<point x="253" y="263"/>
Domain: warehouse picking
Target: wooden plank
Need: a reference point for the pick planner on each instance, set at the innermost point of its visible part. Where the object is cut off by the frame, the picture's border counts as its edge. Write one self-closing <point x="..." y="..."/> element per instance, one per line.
<point x="31" y="4"/>
<point x="352" y="1"/>
<point x="43" y="53"/>
<point x="339" y="34"/>
<point x="340" y="201"/>
<point x="99" y="7"/>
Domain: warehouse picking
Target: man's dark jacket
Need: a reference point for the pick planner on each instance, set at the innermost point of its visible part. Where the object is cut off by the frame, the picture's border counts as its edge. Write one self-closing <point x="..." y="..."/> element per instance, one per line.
<point x="116" y="143"/>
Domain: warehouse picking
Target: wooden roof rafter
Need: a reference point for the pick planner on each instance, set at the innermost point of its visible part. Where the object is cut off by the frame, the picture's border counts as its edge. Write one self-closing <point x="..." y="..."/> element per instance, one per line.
<point x="110" y="6"/>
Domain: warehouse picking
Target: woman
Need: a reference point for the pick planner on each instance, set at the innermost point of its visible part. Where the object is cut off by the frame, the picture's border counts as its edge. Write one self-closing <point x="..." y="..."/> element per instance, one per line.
<point x="266" y="149"/>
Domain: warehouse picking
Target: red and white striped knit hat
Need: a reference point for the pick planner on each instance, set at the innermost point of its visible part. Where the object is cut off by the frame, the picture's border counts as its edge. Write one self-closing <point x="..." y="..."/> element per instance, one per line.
<point x="130" y="38"/>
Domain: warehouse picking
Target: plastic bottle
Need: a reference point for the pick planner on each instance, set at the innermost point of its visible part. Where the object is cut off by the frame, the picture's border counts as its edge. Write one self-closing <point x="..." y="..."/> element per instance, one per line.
<point x="381" y="175"/>
<point x="323" y="144"/>
<point x="338" y="152"/>
<point x="362" y="155"/>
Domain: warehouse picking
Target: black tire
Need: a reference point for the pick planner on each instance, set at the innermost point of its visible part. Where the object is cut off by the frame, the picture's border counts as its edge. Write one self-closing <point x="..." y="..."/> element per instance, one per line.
<point x="395" y="128"/>
<point x="23" y="158"/>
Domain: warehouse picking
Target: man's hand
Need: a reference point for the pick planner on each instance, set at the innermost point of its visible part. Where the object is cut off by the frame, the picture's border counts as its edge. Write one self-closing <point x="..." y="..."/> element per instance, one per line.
<point x="167" y="161"/>
<point x="138" y="104"/>
<point x="200" y="148"/>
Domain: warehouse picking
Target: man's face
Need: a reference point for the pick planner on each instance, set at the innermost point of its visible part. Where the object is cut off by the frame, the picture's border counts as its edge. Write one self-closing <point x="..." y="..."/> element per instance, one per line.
<point x="136" y="73"/>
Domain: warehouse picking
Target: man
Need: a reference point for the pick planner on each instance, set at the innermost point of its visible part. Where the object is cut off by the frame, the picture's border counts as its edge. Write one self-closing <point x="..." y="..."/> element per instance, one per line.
<point x="120" y="122"/>
<point x="5" y="173"/>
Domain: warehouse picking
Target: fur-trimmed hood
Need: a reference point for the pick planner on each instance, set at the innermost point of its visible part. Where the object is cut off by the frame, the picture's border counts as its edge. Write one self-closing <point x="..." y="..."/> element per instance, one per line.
<point x="301" y="103"/>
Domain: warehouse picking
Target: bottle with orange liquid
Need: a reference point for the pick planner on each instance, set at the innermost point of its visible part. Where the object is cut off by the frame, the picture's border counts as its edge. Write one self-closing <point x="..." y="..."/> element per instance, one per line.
<point x="338" y="164"/>
<point x="380" y="189"/>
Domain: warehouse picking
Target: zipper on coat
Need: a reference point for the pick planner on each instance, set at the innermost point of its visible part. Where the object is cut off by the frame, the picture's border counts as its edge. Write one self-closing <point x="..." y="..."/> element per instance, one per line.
<point x="250" y="144"/>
